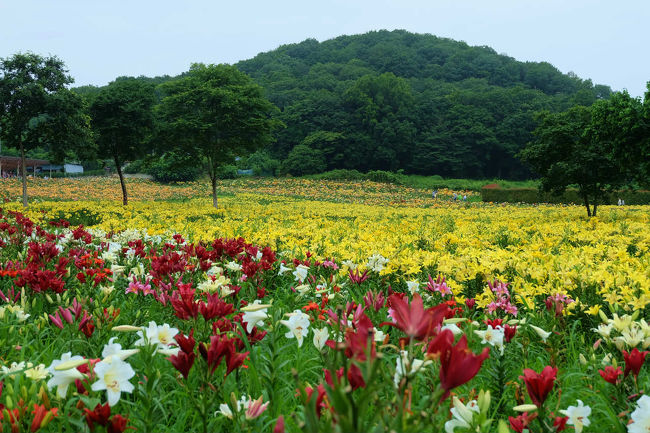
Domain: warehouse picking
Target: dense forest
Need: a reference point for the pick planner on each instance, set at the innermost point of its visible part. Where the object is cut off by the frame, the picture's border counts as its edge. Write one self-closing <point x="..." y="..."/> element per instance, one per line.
<point x="391" y="100"/>
<point x="397" y="100"/>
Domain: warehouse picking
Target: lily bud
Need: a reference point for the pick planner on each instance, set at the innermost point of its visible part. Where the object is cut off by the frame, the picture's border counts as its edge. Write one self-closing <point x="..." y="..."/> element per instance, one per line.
<point x="525" y="408"/>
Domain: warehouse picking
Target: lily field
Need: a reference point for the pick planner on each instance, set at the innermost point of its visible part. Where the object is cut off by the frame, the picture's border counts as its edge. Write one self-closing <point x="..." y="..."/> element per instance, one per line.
<point x="304" y="305"/>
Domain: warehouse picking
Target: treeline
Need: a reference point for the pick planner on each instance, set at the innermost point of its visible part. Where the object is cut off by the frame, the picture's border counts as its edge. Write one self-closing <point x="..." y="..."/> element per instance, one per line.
<point x="397" y="100"/>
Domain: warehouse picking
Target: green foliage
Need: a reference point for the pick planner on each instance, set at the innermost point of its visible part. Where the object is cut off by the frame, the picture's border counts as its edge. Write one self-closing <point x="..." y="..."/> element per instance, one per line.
<point x="263" y="164"/>
<point x="340" y="174"/>
<point x="570" y="196"/>
<point x="598" y="149"/>
<point x="217" y="112"/>
<point x="428" y="105"/>
<point x="384" y="177"/>
<point x="37" y="110"/>
<point x="227" y="171"/>
<point x="175" y="167"/>
<point x="304" y="160"/>
<point x="122" y="119"/>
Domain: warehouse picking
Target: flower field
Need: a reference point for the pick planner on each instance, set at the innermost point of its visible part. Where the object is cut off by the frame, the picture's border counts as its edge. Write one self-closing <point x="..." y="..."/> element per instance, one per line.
<point x="318" y="306"/>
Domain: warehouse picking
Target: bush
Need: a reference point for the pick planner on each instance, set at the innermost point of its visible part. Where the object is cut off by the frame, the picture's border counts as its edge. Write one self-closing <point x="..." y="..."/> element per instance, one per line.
<point x="227" y="172"/>
<point x="175" y="167"/>
<point x="384" y="177"/>
<point x="304" y="160"/>
<point x="341" y="174"/>
<point x="137" y="166"/>
<point x="263" y="164"/>
<point x="570" y="196"/>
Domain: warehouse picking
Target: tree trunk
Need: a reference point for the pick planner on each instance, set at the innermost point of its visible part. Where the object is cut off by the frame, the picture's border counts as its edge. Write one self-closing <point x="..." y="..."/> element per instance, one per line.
<point x="125" y="199"/>
<point x="586" y="199"/>
<point x="213" y="180"/>
<point x="24" y="172"/>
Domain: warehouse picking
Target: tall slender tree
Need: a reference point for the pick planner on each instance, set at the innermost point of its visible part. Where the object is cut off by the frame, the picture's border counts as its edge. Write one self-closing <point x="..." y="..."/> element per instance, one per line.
<point x="122" y="118"/>
<point x="217" y="112"/>
<point x="36" y="109"/>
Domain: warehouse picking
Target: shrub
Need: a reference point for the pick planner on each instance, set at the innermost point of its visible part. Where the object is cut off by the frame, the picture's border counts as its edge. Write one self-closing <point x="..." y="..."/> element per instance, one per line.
<point x="384" y="177"/>
<point x="263" y="164"/>
<point x="340" y="174"/>
<point x="570" y="196"/>
<point x="304" y="160"/>
<point x="175" y="167"/>
<point x="227" y="172"/>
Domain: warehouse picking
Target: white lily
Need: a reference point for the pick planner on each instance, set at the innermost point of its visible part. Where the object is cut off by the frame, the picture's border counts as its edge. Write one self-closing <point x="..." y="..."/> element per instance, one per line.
<point x="640" y="416"/>
<point x="160" y="335"/>
<point x="115" y="349"/>
<point x="320" y="337"/>
<point x="63" y="378"/>
<point x="493" y="336"/>
<point x="113" y="375"/>
<point x="578" y="416"/>
<point x="283" y="269"/>
<point x="462" y="415"/>
<point x="298" y="325"/>
<point x="254" y="318"/>
<point x="301" y="273"/>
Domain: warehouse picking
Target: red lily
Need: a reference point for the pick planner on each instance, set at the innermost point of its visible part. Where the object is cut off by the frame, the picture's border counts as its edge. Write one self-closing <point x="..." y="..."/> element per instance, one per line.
<point x="183" y="362"/>
<point x="509" y="332"/>
<point x="413" y="319"/>
<point x="521" y="422"/>
<point x="611" y="374"/>
<point x="539" y="385"/>
<point x="634" y="361"/>
<point x="458" y="364"/>
<point x="117" y="425"/>
<point x="99" y="415"/>
<point x="186" y="343"/>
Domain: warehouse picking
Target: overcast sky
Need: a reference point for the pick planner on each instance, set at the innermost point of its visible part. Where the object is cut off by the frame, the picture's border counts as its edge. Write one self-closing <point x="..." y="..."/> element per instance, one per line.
<point x="607" y="41"/>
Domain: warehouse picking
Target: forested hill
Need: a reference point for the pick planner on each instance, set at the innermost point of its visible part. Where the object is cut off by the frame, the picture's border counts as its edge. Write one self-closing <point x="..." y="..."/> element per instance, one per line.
<point x="398" y="100"/>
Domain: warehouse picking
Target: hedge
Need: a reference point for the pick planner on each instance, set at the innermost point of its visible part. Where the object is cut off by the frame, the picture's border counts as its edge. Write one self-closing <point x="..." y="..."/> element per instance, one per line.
<point x="533" y="195"/>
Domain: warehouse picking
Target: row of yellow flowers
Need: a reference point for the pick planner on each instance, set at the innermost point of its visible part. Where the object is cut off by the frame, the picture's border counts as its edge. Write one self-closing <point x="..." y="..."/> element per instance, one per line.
<point x="540" y="250"/>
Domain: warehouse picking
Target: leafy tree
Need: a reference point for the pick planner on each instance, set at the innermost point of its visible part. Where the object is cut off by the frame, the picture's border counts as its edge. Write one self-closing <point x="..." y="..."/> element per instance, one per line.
<point x="219" y="112"/>
<point x="566" y="152"/>
<point x="175" y="166"/>
<point x="623" y="125"/>
<point x="122" y="118"/>
<point x="37" y="110"/>
<point x="304" y="160"/>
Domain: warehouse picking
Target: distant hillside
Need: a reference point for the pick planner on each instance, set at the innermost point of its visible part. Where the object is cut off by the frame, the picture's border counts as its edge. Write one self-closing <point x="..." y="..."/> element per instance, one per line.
<point x="398" y="100"/>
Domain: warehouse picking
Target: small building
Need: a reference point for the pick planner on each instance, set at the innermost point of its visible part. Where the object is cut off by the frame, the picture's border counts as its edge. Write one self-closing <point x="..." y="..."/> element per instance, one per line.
<point x="10" y="165"/>
<point x="65" y="168"/>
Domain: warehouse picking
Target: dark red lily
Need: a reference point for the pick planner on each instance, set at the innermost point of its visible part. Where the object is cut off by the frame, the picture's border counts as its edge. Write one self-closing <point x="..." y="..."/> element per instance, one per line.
<point x="521" y="422"/>
<point x="458" y="364"/>
<point x="183" y="362"/>
<point x="186" y="343"/>
<point x="539" y="385"/>
<point x="509" y="332"/>
<point x="99" y="415"/>
<point x="611" y="374"/>
<point x="117" y="425"/>
<point x="634" y="361"/>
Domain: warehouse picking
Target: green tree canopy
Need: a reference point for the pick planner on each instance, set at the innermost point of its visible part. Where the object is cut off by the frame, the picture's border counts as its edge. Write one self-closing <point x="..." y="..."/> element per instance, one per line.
<point x="217" y="112"/>
<point x="568" y="150"/>
<point x="122" y="118"/>
<point x="37" y="110"/>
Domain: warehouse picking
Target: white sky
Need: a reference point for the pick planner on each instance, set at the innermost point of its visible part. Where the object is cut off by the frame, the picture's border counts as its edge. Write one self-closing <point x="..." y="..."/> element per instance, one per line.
<point x="607" y="41"/>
